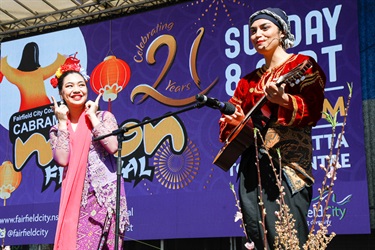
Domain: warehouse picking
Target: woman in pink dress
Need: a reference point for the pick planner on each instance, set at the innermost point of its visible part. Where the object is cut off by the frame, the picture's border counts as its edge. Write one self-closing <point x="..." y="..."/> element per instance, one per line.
<point x="88" y="193"/>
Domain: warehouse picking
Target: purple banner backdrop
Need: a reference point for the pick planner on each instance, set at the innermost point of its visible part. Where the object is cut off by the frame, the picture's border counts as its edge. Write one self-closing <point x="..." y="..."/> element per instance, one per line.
<point x="174" y="53"/>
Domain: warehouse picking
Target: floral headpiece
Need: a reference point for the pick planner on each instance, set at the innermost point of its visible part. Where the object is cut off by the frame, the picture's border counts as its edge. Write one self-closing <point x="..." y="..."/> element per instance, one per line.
<point x="70" y="64"/>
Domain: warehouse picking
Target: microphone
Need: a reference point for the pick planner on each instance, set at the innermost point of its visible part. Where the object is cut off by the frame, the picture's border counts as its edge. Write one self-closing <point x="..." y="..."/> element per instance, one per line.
<point x="226" y="108"/>
<point x="264" y="47"/>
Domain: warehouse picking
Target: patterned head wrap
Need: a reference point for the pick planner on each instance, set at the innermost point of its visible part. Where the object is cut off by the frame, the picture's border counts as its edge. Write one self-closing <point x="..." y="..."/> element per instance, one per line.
<point x="280" y="19"/>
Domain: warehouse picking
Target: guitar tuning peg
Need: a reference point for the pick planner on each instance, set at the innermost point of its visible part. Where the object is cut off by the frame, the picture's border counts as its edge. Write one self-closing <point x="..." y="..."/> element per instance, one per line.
<point x="292" y="85"/>
<point x="303" y="78"/>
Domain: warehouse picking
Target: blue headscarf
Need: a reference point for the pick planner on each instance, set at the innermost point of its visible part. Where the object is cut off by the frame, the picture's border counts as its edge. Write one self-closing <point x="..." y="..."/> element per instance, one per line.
<point x="280" y="19"/>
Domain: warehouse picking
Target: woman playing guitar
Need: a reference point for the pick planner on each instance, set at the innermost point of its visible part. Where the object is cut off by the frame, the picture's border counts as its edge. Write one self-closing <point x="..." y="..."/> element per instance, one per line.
<point x="294" y="107"/>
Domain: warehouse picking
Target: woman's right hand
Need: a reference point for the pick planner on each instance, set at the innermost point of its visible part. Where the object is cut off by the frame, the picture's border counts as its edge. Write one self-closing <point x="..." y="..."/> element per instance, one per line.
<point x="61" y="113"/>
<point x="235" y="118"/>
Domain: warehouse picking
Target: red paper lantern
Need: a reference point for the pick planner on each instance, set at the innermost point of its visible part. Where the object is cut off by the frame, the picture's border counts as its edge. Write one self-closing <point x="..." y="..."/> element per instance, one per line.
<point x="110" y="77"/>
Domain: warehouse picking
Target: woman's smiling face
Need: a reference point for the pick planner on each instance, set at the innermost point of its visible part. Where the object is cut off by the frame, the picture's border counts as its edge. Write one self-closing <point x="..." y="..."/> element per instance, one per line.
<point x="74" y="90"/>
<point x="265" y="35"/>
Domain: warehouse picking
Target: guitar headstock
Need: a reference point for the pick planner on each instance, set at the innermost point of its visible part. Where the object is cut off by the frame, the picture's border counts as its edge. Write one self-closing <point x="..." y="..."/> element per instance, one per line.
<point x="296" y="75"/>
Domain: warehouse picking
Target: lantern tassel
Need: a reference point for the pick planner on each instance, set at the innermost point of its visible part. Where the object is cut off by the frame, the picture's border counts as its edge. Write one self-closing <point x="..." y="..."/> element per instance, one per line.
<point x="109" y="105"/>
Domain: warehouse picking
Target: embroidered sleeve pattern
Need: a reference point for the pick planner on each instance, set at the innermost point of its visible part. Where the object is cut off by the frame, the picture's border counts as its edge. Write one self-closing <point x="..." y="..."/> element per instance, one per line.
<point x="307" y="101"/>
<point x="107" y="124"/>
<point x="226" y="129"/>
<point x="59" y="139"/>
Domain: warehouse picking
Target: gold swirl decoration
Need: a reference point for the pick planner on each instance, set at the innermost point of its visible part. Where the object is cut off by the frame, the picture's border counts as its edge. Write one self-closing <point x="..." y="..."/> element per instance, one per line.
<point x="176" y="171"/>
<point x="152" y="92"/>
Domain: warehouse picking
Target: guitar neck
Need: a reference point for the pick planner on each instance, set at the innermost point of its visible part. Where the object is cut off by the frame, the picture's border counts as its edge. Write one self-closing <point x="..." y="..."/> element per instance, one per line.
<point x="282" y="79"/>
<point x="256" y="107"/>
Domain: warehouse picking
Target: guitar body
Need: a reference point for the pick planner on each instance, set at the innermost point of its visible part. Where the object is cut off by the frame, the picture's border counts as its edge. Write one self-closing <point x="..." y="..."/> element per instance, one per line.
<point x="242" y="135"/>
<point x="237" y="142"/>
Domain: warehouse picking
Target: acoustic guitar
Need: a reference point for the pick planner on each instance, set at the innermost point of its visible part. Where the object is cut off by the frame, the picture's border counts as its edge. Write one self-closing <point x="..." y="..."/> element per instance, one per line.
<point x="242" y="136"/>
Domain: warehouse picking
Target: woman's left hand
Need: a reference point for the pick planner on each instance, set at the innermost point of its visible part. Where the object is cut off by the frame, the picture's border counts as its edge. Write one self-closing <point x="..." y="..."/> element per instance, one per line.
<point x="277" y="94"/>
<point x="92" y="108"/>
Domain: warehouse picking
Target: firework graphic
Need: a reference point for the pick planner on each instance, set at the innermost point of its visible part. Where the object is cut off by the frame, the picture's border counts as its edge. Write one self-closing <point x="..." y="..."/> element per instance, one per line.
<point x="215" y="7"/>
<point x="176" y="171"/>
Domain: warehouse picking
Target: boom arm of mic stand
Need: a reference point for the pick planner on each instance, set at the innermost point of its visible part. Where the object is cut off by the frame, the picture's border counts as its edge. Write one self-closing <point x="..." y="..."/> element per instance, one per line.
<point x="125" y="129"/>
<point x="120" y="138"/>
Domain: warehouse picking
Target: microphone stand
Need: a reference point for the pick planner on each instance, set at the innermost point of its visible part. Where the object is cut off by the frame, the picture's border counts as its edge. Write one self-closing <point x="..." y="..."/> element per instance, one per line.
<point x="120" y="138"/>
